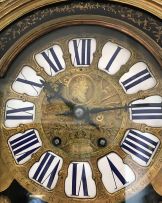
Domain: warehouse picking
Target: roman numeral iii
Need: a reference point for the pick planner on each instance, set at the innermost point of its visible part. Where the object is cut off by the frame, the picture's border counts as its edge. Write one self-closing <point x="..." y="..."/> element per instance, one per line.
<point x="18" y="112"/>
<point x="51" y="60"/>
<point x="138" y="78"/>
<point x="141" y="146"/>
<point x="147" y="111"/>
<point x="82" y="50"/>
<point x="24" y="145"/>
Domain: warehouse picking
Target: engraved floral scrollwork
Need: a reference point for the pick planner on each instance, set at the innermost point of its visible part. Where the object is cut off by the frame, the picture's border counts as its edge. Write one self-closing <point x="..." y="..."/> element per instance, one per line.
<point x="140" y="19"/>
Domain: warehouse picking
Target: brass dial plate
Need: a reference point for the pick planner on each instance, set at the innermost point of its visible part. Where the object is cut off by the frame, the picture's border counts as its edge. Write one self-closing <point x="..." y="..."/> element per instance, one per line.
<point x="79" y="139"/>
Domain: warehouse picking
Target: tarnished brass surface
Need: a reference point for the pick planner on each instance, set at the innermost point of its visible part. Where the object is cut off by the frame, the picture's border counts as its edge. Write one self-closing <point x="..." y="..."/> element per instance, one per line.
<point x="79" y="139"/>
<point x="11" y="10"/>
<point x="5" y="176"/>
<point x="75" y="20"/>
<point x="157" y="183"/>
<point x="4" y="199"/>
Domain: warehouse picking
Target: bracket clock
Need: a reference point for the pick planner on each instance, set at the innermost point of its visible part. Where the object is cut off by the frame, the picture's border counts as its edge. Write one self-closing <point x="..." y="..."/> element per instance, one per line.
<point x="81" y="101"/>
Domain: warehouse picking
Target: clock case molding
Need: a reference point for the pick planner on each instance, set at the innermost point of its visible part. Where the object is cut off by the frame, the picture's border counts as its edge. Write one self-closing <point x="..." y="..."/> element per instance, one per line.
<point x="23" y="21"/>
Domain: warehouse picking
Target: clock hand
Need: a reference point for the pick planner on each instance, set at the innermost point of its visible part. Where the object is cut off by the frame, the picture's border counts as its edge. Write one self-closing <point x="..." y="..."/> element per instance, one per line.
<point x="80" y="113"/>
<point x="125" y="107"/>
<point x="86" y="111"/>
<point x="47" y="86"/>
<point x="56" y="94"/>
<point x="66" y="113"/>
<point x="68" y="103"/>
<point x="91" y="122"/>
<point x="98" y="110"/>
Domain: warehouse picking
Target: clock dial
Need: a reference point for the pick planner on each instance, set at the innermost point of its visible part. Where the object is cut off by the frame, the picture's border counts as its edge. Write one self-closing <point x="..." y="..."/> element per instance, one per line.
<point x="82" y="115"/>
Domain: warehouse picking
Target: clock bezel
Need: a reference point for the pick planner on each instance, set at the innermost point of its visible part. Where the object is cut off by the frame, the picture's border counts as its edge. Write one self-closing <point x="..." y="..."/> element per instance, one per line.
<point x="130" y="30"/>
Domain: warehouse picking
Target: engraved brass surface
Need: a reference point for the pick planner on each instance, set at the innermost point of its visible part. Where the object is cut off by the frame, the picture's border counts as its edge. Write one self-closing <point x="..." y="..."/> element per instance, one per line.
<point x="4" y="199"/>
<point x="10" y="9"/>
<point x="78" y="134"/>
<point x="157" y="183"/>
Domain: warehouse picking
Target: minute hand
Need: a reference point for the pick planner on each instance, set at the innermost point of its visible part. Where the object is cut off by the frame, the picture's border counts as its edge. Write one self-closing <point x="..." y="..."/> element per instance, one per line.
<point x="125" y="107"/>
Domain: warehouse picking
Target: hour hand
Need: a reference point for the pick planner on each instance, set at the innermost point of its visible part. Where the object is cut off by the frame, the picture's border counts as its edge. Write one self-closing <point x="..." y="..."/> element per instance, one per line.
<point x="67" y="102"/>
<point x="92" y="123"/>
<point x="56" y="93"/>
<point x="80" y="113"/>
<point x="66" y="113"/>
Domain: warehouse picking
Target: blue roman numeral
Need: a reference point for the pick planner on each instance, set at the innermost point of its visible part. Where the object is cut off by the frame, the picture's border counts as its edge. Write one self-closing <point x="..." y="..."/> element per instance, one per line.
<point x="113" y="58"/>
<point x="117" y="173"/>
<point x="83" y="181"/>
<point x="28" y="82"/>
<point x="56" y="68"/>
<point x="13" y="114"/>
<point x="24" y="145"/>
<point x="136" y="79"/>
<point x="42" y="175"/>
<point x="146" y="111"/>
<point x="82" y="57"/>
<point x="138" y="144"/>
